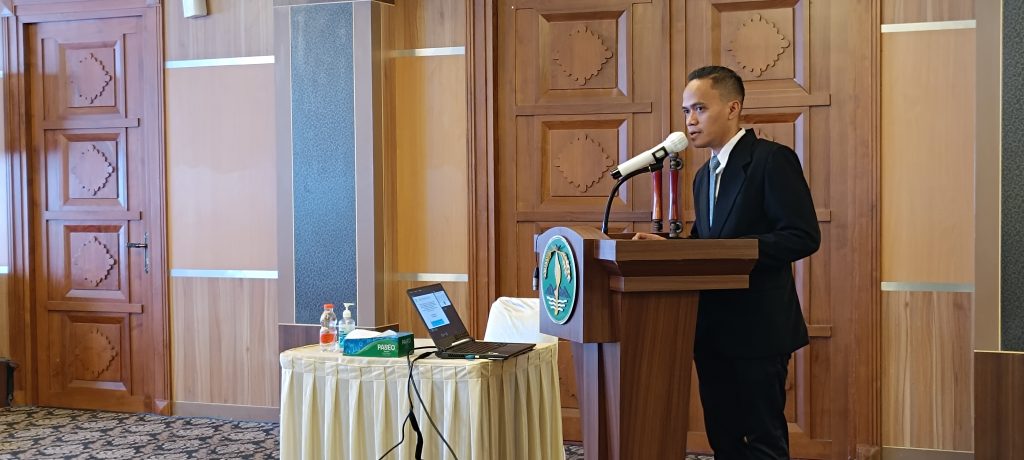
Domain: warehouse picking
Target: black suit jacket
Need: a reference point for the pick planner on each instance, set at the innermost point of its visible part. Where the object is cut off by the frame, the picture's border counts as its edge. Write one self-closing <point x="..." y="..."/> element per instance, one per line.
<point x="762" y="194"/>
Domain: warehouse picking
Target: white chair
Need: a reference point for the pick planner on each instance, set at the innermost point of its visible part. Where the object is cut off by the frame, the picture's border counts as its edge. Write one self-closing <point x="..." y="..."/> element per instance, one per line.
<point x="516" y="319"/>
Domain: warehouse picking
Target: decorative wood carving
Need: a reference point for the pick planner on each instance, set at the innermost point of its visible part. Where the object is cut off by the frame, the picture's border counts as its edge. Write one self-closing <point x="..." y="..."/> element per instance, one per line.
<point x="764" y="135"/>
<point x="583" y="162"/>
<point x="91" y="168"/>
<point x="582" y="55"/>
<point x="94" y="353"/>
<point x="757" y="45"/>
<point x="90" y="76"/>
<point x="92" y="263"/>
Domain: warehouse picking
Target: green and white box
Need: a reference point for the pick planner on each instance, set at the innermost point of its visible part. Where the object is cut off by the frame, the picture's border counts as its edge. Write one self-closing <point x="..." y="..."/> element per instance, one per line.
<point x="384" y="346"/>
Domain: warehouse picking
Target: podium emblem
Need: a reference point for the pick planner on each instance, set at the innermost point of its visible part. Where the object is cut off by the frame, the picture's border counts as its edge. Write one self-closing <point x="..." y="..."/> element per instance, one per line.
<point x="558" y="281"/>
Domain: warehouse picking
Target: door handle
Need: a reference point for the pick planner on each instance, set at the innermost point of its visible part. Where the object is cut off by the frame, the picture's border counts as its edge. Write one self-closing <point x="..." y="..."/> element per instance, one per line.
<point x="143" y="245"/>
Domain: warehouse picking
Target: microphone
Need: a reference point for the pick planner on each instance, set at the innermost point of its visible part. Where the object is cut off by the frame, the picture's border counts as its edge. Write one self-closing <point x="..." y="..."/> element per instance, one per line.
<point x="674" y="143"/>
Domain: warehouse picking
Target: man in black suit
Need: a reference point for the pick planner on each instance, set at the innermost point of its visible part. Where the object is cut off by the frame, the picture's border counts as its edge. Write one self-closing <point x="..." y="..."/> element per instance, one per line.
<point x="751" y="188"/>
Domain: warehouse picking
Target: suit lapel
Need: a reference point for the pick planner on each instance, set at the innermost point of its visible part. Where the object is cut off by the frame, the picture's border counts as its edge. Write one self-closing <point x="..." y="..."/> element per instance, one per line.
<point x="732" y="178"/>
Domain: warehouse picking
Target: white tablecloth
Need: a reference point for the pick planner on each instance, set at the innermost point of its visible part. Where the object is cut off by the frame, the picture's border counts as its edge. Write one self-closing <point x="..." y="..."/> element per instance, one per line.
<point x="343" y="407"/>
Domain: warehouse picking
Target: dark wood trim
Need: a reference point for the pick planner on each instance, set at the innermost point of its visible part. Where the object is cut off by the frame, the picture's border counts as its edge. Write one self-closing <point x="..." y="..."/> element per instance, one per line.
<point x="154" y="141"/>
<point x="480" y="20"/>
<point x="19" y="290"/>
<point x="865" y="347"/>
<point x="998" y="404"/>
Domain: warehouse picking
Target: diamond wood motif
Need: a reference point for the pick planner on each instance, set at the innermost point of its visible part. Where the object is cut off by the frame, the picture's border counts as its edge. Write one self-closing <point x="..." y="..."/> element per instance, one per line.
<point x="94" y="354"/>
<point x="93" y="262"/>
<point x="92" y="169"/>
<point x="757" y="45"/>
<point x="583" y="162"/>
<point x="582" y="55"/>
<point x="92" y="79"/>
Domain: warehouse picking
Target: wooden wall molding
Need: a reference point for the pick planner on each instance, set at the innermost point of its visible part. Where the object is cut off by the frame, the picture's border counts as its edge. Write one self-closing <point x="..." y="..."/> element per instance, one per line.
<point x="480" y="54"/>
<point x="19" y="287"/>
<point x="843" y="99"/>
<point x="39" y="10"/>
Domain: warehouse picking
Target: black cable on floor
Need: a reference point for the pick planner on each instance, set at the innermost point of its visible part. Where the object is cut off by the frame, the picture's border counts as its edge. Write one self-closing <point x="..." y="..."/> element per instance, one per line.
<point x="411" y="417"/>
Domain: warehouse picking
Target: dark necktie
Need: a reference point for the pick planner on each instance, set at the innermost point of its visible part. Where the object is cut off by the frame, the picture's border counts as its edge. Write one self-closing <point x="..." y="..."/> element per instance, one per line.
<point x="711" y="191"/>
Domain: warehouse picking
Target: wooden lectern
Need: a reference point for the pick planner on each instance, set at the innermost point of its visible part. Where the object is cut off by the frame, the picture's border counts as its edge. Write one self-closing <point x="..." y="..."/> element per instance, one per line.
<point x="632" y="328"/>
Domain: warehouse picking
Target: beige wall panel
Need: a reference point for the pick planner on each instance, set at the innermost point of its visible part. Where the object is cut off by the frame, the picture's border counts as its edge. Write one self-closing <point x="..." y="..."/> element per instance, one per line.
<point x="5" y="320"/>
<point x="928" y="156"/>
<point x="927" y="370"/>
<point x="220" y="164"/>
<point x="234" y="28"/>
<point x="402" y="312"/>
<point x="999" y="415"/>
<point x="224" y="339"/>
<point x="428" y="23"/>
<point x="903" y="11"/>
<point x="431" y="171"/>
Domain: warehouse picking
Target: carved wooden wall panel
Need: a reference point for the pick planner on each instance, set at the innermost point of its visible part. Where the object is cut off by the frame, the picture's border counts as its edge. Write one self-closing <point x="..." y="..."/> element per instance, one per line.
<point x="766" y="42"/>
<point x="580" y="54"/>
<point x="91" y="165"/>
<point x="577" y="156"/>
<point x="96" y="355"/>
<point x="96" y="352"/>
<point x="87" y="79"/>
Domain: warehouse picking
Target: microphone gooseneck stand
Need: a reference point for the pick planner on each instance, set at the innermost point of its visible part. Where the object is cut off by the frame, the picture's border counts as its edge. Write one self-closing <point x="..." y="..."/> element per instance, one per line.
<point x="615" y="191"/>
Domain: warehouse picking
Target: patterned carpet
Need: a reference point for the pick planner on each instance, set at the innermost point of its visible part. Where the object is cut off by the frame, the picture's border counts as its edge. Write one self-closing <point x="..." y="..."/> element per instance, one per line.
<point x="45" y="433"/>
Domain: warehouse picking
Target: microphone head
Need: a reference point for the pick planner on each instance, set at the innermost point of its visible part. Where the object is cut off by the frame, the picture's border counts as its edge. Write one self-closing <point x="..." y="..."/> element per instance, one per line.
<point x="675" y="142"/>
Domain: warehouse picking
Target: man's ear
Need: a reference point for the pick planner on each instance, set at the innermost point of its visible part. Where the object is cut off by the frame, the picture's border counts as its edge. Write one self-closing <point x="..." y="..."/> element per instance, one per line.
<point x="734" y="109"/>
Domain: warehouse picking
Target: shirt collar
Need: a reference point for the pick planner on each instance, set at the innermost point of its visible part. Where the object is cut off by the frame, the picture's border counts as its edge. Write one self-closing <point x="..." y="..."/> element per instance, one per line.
<point x="723" y="155"/>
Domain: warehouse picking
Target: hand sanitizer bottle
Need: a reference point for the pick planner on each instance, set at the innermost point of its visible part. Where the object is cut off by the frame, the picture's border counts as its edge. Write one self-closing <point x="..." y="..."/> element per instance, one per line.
<point x="346" y="325"/>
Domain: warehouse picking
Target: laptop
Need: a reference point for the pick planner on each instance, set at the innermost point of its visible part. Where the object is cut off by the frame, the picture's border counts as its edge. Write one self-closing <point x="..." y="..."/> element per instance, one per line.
<point x="449" y="334"/>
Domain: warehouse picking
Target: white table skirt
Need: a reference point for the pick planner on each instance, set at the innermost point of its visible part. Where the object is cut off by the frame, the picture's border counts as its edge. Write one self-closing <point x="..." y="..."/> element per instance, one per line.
<point x="485" y="409"/>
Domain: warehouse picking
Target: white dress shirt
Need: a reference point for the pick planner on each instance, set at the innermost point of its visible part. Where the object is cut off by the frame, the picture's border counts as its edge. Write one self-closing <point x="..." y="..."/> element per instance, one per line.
<point x="723" y="158"/>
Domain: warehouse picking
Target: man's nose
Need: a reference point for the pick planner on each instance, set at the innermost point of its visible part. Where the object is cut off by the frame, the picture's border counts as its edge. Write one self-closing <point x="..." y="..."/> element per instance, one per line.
<point x="691" y="119"/>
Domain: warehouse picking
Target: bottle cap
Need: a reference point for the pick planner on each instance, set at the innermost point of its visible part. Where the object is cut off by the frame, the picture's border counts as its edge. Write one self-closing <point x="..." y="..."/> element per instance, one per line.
<point x="328" y="306"/>
<point x="346" y="313"/>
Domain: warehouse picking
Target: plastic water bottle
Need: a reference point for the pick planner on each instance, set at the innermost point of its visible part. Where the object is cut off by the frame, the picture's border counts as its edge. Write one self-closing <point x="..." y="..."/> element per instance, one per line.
<point x="346" y="325"/>
<point x="328" y="328"/>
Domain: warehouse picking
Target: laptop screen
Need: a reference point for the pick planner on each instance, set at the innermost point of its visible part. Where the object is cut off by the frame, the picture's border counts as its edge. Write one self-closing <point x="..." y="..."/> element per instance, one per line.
<point x="438" y="314"/>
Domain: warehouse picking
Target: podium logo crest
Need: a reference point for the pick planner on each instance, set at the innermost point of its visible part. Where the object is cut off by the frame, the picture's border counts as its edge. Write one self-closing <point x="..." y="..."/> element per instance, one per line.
<point x="558" y="280"/>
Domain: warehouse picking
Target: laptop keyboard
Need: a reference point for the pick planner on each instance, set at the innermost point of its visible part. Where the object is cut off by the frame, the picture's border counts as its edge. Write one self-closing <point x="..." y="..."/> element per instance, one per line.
<point x="476" y="347"/>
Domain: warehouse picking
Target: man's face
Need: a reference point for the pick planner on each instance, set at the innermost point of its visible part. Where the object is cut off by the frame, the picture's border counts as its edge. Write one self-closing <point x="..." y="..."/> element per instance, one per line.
<point x="710" y="121"/>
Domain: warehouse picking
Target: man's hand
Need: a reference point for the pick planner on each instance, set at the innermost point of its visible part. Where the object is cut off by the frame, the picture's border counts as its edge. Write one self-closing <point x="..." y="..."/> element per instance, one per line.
<point x="647" y="236"/>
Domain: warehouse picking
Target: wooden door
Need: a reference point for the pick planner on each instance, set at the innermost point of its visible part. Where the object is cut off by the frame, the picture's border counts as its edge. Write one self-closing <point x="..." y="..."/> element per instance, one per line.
<point x="96" y="211"/>
<point x="582" y="85"/>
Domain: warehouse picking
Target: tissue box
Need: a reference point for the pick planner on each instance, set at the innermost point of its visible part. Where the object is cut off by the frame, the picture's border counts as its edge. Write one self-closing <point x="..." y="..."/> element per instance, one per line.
<point x="390" y="346"/>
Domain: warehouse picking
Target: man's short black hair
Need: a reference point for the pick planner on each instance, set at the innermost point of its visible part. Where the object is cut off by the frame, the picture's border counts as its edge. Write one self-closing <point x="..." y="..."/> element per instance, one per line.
<point x="723" y="79"/>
